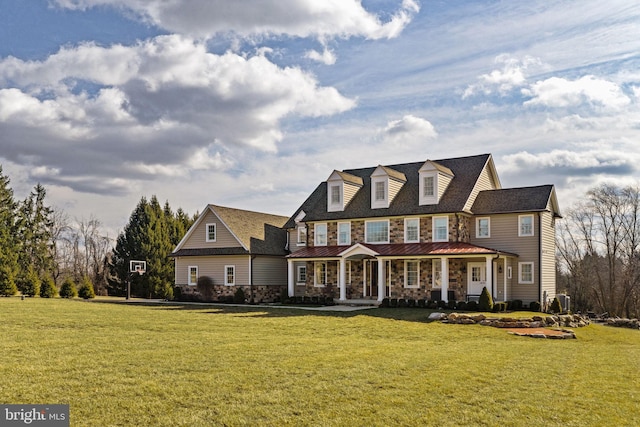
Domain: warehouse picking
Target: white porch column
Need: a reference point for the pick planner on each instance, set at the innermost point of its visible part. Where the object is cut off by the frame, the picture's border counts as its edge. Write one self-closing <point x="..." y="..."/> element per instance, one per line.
<point x="291" y="290"/>
<point x="445" y="279"/>
<point x="489" y="278"/>
<point x="343" y="279"/>
<point x="381" y="279"/>
<point x="504" y="278"/>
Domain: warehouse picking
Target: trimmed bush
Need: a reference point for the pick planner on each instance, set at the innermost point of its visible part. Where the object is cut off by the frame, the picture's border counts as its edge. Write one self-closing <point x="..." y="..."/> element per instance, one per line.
<point x="422" y="303"/>
<point x="48" y="288"/>
<point x="472" y="306"/>
<point x="432" y="305"/>
<point x="556" y="307"/>
<point x="328" y="301"/>
<point x="485" y="303"/>
<point x="205" y="288"/>
<point x="461" y="305"/>
<point x="516" y="304"/>
<point x="393" y="302"/>
<point x="411" y="302"/>
<point x="451" y="304"/>
<point x="68" y="289"/>
<point x="442" y="304"/>
<point x="86" y="289"/>
<point x="534" y="306"/>
<point x="384" y="303"/>
<point x="402" y="302"/>
<point x="239" y="296"/>
<point x="177" y="293"/>
<point x="499" y="307"/>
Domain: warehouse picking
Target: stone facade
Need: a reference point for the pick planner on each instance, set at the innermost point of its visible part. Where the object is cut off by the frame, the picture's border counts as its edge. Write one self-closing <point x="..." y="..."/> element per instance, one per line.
<point x="261" y="294"/>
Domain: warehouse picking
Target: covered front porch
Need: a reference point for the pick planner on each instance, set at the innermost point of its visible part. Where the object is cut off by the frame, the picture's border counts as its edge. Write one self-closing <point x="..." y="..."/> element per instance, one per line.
<point x="431" y="271"/>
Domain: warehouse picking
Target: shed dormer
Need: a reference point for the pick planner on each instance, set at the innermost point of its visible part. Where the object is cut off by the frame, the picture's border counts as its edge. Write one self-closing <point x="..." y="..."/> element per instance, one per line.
<point x="341" y="187"/>
<point x="434" y="180"/>
<point x="385" y="186"/>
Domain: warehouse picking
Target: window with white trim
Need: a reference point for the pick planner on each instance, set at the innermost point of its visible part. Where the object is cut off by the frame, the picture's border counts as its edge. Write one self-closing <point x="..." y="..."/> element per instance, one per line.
<point x="411" y="230"/>
<point x="210" y="232"/>
<point x="344" y="233"/>
<point x="428" y="186"/>
<point x="193" y="275"/>
<point x="301" y="275"/>
<point x="302" y="235"/>
<point x="525" y="225"/>
<point x="483" y="228"/>
<point x="525" y="273"/>
<point x="440" y="229"/>
<point x="376" y="231"/>
<point x="320" y="234"/>
<point x="320" y="276"/>
<point x="380" y="191"/>
<point x="436" y="278"/>
<point x="412" y="274"/>
<point x="229" y="275"/>
<point x="335" y="194"/>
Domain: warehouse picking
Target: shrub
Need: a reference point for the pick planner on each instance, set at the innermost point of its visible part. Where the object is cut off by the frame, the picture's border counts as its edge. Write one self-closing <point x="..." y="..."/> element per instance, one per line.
<point x="431" y="304"/>
<point x="461" y="305"/>
<point x="393" y="302"/>
<point x="384" y="303"/>
<point x="451" y="304"/>
<point x="402" y="302"/>
<point x="68" y="289"/>
<point x="48" y="288"/>
<point x="328" y="301"/>
<point x="239" y="296"/>
<point x="422" y="303"/>
<point x="177" y="293"/>
<point x="499" y="307"/>
<point x="284" y="296"/>
<point x="205" y="288"/>
<point x="472" y="306"/>
<point x="516" y="304"/>
<point x="442" y="304"/>
<point x="556" y="307"/>
<point x="411" y="302"/>
<point x="29" y="283"/>
<point x="485" y="303"/>
<point x="534" y="306"/>
<point x="86" y="289"/>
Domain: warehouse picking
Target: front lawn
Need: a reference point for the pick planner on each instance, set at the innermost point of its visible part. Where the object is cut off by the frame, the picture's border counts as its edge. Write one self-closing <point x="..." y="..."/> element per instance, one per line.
<point x="134" y="365"/>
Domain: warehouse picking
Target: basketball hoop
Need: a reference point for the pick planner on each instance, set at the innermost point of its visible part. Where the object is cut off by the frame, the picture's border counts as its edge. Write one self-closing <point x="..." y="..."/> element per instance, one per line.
<point x="135" y="267"/>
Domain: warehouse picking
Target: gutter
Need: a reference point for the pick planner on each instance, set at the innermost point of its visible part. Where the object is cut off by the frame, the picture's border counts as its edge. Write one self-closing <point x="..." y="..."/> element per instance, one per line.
<point x="542" y="303"/>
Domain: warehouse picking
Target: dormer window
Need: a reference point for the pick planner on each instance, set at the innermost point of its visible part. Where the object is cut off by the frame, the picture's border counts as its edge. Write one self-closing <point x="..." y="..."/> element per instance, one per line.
<point x="380" y="191"/>
<point x="335" y="195"/>
<point x="386" y="183"/>
<point x="341" y="188"/>
<point x="434" y="180"/>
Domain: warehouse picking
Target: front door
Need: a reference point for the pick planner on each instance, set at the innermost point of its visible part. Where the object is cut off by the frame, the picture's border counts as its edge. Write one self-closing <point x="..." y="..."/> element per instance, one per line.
<point x="477" y="277"/>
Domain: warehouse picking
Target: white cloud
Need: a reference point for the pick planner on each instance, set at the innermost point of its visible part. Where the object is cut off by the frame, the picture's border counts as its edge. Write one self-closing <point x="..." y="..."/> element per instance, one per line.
<point x="162" y="102"/>
<point x="560" y="92"/>
<point x="327" y="56"/>
<point x="504" y="80"/>
<point x="408" y="131"/>
<point x="299" y="18"/>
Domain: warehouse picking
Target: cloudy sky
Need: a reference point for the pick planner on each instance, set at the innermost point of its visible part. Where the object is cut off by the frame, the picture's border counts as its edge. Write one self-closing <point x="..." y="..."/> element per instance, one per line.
<point x="251" y="104"/>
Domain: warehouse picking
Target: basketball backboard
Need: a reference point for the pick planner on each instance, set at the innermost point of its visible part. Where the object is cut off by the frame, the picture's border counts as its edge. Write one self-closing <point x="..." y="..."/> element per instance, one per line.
<point x="139" y="267"/>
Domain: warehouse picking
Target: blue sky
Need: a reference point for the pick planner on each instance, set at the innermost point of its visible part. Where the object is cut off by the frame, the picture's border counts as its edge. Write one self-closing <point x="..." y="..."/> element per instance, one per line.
<point x="252" y="104"/>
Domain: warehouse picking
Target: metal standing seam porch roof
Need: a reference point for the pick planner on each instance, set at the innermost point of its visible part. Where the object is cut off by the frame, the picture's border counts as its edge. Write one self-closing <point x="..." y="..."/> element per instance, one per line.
<point x="434" y="249"/>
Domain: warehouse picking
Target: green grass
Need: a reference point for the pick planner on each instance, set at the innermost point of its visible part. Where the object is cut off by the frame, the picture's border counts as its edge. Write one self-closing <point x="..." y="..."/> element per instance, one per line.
<point x="132" y="365"/>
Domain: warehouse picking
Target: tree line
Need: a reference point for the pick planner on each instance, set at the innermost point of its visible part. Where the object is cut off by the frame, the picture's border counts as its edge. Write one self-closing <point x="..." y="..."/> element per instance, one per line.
<point x="41" y="247"/>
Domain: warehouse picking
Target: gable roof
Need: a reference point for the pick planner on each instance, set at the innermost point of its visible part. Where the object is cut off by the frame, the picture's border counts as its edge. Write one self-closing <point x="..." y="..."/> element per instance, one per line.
<point x="466" y="170"/>
<point x="514" y="200"/>
<point x="257" y="232"/>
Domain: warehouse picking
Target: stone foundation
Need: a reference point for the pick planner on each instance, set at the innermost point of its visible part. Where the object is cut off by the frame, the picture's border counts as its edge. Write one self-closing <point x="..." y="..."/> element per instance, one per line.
<point x="261" y="294"/>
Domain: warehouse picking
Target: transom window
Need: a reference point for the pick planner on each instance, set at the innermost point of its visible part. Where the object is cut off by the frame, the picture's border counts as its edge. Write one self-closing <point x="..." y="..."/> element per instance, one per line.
<point x="229" y="275"/>
<point x="211" y="233"/>
<point x="320" y="231"/>
<point x="525" y="225"/>
<point x="344" y="233"/>
<point x="193" y="275"/>
<point x="525" y="272"/>
<point x="440" y="229"/>
<point x="377" y="231"/>
<point x="412" y="274"/>
<point x="412" y="230"/>
<point x="482" y="227"/>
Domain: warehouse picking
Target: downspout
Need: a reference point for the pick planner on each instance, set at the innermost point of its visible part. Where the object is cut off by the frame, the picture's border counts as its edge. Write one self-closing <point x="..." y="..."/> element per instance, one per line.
<point x="494" y="278"/>
<point x="252" y="257"/>
<point x="542" y="303"/>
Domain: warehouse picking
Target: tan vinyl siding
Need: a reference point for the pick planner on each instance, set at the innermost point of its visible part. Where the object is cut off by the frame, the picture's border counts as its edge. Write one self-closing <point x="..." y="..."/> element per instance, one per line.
<point x="269" y="271"/>
<point x="443" y="183"/>
<point x="504" y="236"/>
<point x="213" y="266"/>
<point x="224" y="238"/>
<point x="349" y="191"/>
<point x="485" y="182"/>
<point x="394" y="188"/>
<point x="548" y="255"/>
<point x="293" y="240"/>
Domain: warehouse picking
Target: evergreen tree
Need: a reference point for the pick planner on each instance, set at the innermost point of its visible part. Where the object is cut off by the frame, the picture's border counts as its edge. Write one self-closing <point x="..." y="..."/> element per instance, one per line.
<point x="48" y="288"/>
<point x="485" y="303"/>
<point x="35" y="221"/>
<point x="86" y="289"/>
<point x="29" y="282"/>
<point x="8" y="241"/>
<point x="68" y="289"/>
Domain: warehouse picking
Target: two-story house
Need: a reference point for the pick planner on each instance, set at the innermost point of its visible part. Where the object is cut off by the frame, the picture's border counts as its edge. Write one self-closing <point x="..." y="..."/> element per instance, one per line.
<point x="439" y="230"/>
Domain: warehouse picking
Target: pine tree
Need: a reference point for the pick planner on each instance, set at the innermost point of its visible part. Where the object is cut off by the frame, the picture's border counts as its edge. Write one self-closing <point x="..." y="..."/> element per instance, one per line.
<point x="86" y="289"/>
<point x="485" y="303"/>
<point x="35" y="221"/>
<point x="29" y="282"/>
<point x="48" y="288"/>
<point x="68" y="289"/>
<point x="8" y="239"/>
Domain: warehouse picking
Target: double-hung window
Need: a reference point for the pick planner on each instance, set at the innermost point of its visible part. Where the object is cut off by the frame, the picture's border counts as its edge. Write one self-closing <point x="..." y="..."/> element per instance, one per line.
<point x="302" y="274"/>
<point x="229" y="275"/>
<point x="428" y="186"/>
<point x="335" y="195"/>
<point x="482" y="228"/>
<point x="211" y="233"/>
<point x="344" y="233"/>
<point x="193" y="275"/>
<point x="440" y="229"/>
<point x="525" y="225"/>
<point x="302" y="236"/>
<point x="320" y="232"/>
<point x="412" y="274"/>
<point x="525" y="273"/>
<point x="377" y="231"/>
<point x="412" y="230"/>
